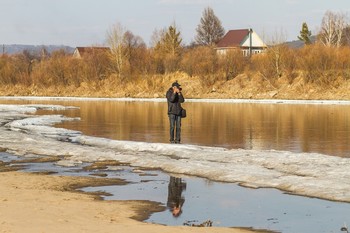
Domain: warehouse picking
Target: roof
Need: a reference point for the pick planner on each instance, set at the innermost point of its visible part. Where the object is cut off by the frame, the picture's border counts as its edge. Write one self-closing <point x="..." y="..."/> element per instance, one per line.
<point x="233" y="38"/>
<point x="89" y="50"/>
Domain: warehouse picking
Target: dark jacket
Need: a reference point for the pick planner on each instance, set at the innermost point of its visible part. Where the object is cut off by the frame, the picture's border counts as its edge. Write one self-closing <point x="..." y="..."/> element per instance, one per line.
<point x="174" y="102"/>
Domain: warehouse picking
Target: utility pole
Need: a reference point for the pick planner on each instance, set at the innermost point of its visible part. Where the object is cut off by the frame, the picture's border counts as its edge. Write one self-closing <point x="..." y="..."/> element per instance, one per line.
<point x="250" y="42"/>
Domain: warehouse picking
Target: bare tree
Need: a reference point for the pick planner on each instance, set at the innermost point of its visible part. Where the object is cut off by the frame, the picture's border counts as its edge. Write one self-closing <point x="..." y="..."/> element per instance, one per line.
<point x="133" y="41"/>
<point x="275" y="52"/>
<point x="157" y="51"/>
<point x="332" y="28"/>
<point x="210" y="30"/>
<point x="346" y="36"/>
<point x="156" y="37"/>
<point x="116" y="41"/>
<point x="136" y="50"/>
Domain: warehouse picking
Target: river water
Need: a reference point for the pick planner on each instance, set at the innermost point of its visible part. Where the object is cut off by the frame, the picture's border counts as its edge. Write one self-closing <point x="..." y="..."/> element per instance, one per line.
<point x="306" y="128"/>
<point x="321" y="128"/>
<point x="298" y="128"/>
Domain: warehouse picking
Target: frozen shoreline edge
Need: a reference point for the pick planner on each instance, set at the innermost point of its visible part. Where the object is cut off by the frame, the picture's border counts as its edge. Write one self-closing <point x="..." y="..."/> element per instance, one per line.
<point x="249" y="101"/>
<point x="310" y="175"/>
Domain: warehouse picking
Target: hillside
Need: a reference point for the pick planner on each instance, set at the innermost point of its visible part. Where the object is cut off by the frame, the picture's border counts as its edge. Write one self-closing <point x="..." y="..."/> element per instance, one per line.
<point x="18" y="48"/>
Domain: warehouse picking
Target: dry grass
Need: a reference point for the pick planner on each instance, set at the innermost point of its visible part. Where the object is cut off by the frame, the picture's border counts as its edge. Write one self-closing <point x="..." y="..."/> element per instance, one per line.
<point x="241" y="87"/>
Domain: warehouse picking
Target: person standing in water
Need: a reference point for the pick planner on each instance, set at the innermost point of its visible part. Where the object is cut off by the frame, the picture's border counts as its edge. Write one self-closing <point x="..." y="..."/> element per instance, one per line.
<point x="175" y="98"/>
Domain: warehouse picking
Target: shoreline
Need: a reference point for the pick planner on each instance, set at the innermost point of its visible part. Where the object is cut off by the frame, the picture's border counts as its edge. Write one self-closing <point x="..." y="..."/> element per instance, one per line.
<point x="161" y="100"/>
<point x="132" y="207"/>
<point x="283" y="177"/>
<point x="42" y="203"/>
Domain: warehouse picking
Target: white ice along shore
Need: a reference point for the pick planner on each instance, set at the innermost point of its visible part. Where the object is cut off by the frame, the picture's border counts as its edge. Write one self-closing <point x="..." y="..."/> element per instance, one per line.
<point x="307" y="174"/>
<point x="127" y="99"/>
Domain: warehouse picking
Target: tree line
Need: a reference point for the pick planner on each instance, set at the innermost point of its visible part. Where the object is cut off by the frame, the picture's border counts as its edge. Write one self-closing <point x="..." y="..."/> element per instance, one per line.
<point x="324" y="61"/>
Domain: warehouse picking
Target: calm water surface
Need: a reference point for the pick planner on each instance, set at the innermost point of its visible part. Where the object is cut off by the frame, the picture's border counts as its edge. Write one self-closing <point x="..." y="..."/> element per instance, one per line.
<point x="298" y="128"/>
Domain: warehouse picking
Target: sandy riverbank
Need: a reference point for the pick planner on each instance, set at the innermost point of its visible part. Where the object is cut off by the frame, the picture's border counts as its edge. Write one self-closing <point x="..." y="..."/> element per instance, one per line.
<point x="35" y="203"/>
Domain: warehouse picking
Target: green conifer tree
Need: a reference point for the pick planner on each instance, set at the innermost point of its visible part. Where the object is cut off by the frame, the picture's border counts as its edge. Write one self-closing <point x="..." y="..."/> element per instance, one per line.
<point x="305" y="34"/>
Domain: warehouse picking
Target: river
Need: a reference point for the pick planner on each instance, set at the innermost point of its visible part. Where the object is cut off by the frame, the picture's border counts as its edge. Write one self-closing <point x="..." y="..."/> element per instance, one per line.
<point x="318" y="132"/>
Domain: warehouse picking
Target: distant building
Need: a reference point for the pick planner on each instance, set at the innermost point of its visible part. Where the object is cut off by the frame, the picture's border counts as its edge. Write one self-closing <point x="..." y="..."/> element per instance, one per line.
<point x="244" y="39"/>
<point x="80" y="52"/>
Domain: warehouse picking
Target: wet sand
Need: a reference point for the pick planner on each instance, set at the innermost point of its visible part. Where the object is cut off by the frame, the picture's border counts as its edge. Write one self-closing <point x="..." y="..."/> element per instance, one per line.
<point x="41" y="203"/>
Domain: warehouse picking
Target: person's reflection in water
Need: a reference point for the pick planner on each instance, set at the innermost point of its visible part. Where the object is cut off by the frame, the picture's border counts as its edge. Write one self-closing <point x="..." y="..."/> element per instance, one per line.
<point x="175" y="198"/>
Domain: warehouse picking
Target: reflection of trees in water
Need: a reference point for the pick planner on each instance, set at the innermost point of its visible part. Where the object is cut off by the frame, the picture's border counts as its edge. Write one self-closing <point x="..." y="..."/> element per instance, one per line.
<point x="136" y="121"/>
<point x="175" y="198"/>
<point x="299" y="128"/>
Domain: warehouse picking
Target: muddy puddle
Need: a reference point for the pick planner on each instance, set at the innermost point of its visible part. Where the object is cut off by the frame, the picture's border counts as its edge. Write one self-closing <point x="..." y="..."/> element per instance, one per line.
<point x="199" y="202"/>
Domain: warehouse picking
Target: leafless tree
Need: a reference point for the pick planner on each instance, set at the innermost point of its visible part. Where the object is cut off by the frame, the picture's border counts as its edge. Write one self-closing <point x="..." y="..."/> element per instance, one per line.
<point x="133" y="41"/>
<point x="346" y="36"/>
<point x="116" y="42"/>
<point x="210" y="30"/>
<point x="332" y="28"/>
<point x="136" y="51"/>
<point x="275" y="52"/>
<point x="156" y="37"/>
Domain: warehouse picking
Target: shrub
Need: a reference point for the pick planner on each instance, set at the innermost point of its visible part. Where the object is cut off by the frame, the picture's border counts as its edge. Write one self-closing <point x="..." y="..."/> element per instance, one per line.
<point x="201" y="60"/>
<point x="318" y="63"/>
<point x="276" y="62"/>
<point x="232" y="64"/>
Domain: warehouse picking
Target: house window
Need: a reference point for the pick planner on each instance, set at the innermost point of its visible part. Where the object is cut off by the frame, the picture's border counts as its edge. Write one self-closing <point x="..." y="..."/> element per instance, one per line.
<point x="245" y="52"/>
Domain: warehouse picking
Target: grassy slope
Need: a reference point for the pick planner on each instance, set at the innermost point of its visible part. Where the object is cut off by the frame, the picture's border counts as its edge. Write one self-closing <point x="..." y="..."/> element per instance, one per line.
<point x="242" y="87"/>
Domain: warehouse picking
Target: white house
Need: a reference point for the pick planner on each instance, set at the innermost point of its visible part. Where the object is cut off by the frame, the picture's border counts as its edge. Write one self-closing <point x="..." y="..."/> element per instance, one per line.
<point x="244" y="39"/>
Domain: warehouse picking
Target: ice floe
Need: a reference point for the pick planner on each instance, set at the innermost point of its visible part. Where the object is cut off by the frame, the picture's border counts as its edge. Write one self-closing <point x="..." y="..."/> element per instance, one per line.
<point x="308" y="174"/>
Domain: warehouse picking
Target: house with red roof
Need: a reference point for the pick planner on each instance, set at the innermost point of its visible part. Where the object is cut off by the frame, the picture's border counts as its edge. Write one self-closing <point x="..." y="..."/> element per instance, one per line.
<point x="244" y="39"/>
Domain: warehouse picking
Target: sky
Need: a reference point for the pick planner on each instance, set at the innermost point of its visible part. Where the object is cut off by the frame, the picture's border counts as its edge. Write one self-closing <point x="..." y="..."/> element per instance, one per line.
<point x="86" y="22"/>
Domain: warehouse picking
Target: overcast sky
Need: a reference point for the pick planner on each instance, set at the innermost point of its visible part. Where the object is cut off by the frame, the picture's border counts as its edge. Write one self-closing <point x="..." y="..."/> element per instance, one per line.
<point x="85" y="22"/>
